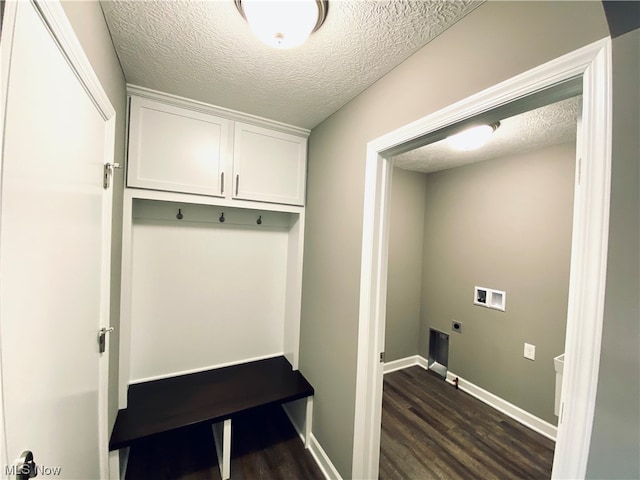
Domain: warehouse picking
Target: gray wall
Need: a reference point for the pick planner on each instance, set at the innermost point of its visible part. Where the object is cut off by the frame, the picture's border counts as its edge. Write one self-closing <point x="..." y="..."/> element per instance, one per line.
<point x="404" y="276"/>
<point x="615" y="442"/>
<point x="88" y="22"/>
<point x="505" y="224"/>
<point x="458" y="63"/>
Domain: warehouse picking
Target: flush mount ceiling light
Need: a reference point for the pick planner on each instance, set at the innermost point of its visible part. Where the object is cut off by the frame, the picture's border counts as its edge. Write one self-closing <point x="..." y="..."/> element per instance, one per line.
<point x="283" y="23"/>
<point x="473" y="137"/>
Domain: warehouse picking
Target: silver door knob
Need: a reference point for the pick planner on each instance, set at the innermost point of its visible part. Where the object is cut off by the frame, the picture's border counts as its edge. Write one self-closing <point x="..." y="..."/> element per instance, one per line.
<point x="25" y="466"/>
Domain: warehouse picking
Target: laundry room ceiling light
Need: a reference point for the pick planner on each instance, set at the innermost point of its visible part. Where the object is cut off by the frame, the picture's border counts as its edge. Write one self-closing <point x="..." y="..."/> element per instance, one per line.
<point x="283" y="23"/>
<point x="472" y="138"/>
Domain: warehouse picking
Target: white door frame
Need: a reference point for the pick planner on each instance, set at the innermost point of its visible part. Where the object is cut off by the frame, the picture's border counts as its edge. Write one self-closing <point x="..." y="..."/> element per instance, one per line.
<point x="62" y="32"/>
<point x="592" y="64"/>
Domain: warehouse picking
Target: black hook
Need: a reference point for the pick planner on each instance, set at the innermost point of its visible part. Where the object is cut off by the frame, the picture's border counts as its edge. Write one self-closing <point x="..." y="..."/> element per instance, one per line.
<point x="222" y="219"/>
<point x="259" y="221"/>
<point x="179" y="215"/>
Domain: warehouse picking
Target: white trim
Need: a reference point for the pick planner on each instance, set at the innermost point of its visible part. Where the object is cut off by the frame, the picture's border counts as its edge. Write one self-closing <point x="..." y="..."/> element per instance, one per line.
<point x="373" y="287"/>
<point x="124" y="362"/>
<point x="6" y="47"/>
<point x="322" y="459"/>
<point x="58" y="23"/>
<point x="588" y="270"/>
<point x="402" y="363"/>
<point x="509" y="409"/>
<point x="204" y="369"/>
<point x="215" y="110"/>
<point x="423" y="362"/>
<point x="588" y="263"/>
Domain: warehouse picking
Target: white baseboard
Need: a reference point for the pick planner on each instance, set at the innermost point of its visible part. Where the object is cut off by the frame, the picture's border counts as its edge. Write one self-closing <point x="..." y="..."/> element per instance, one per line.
<point x="317" y="452"/>
<point x="401" y="363"/>
<point x="423" y="362"/>
<point x="509" y="409"/>
<point x="322" y="459"/>
<point x="525" y="418"/>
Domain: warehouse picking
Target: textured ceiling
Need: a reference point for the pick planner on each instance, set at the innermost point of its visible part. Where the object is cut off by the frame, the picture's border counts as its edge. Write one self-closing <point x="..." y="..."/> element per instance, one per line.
<point x="203" y="50"/>
<point x="545" y="126"/>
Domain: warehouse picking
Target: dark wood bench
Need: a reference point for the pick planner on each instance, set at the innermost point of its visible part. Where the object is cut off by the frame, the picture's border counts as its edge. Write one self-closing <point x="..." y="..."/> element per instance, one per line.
<point x="212" y="396"/>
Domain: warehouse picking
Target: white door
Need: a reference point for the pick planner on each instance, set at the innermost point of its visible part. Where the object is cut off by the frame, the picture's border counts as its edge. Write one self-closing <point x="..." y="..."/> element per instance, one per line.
<point x="54" y="247"/>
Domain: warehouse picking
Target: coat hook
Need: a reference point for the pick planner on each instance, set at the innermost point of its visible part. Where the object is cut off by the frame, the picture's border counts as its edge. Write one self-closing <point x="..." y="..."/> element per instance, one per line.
<point x="259" y="221"/>
<point x="222" y="219"/>
<point x="179" y="215"/>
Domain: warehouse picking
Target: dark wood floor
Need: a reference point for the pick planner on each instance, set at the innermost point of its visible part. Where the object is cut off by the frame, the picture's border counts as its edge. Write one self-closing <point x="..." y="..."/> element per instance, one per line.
<point x="430" y="430"/>
<point x="264" y="446"/>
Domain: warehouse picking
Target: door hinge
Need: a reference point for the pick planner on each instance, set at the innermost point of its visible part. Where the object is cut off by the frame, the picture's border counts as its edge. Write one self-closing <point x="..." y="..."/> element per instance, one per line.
<point x="102" y="338"/>
<point x="108" y="171"/>
<point x="381" y="357"/>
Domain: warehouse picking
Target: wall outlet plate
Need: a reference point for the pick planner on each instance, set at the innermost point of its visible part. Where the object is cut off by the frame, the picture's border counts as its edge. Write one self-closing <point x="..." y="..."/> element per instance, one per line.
<point x="529" y="351"/>
<point x="490" y="298"/>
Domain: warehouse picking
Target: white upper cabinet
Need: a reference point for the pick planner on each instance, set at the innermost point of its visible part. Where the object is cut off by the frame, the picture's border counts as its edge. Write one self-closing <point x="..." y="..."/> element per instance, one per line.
<point x="188" y="147"/>
<point x="268" y="166"/>
<point x="176" y="149"/>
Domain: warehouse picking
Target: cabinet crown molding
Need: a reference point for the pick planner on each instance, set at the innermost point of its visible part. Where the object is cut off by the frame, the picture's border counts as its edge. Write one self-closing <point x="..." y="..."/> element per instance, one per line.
<point x="215" y="110"/>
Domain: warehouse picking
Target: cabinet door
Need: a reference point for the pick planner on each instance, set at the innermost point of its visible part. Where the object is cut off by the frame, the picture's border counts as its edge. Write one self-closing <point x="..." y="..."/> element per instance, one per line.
<point x="268" y="166"/>
<point x="174" y="149"/>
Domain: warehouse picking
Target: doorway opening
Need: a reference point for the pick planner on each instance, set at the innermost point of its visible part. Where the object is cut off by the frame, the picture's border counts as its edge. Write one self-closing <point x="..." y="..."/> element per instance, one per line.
<point x="498" y="216"/>
<point x="587" y="70"/>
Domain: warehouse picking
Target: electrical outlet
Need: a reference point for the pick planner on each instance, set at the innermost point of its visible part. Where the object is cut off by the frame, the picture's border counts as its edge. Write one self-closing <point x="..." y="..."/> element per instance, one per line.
<point x="529" y="351"/>
<point x="456" y="326"/>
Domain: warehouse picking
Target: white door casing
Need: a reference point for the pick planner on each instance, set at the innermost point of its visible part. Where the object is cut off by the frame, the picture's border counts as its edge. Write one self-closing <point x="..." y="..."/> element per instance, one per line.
<point x="55" y="239"/>
<point x="592" y="64"/>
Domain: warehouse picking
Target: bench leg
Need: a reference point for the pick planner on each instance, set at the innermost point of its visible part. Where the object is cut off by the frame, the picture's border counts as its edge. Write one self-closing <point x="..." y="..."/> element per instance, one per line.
<point x="222" y="437"/>
<point x="307" y="423"/>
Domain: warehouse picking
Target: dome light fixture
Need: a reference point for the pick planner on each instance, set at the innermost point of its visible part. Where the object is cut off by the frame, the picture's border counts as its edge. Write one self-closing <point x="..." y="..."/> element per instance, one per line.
<point x="472" y="138"/>
<point x="283" y="23"/>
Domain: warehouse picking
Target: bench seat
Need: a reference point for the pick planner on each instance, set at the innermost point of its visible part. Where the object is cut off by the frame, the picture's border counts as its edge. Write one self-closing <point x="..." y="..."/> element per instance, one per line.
<point x="211" y="396"/>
